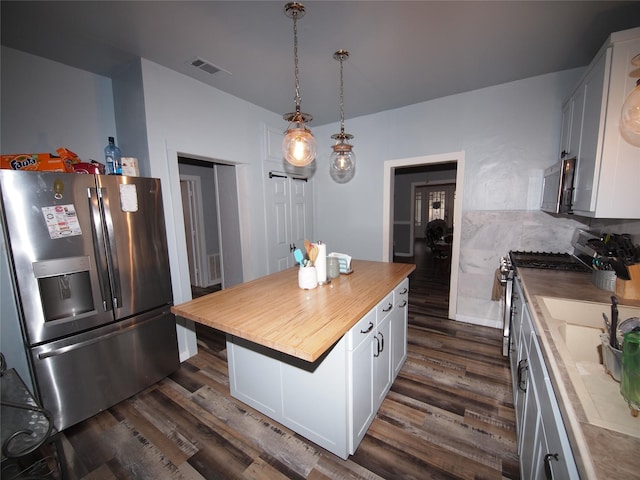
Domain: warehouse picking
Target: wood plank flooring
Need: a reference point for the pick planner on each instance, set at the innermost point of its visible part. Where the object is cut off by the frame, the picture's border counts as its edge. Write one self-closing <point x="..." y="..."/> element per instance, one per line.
<point x="449" y="415"/>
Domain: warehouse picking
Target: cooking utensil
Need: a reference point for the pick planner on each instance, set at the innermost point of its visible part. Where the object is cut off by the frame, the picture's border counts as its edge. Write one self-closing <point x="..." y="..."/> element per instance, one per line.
<point x="622" y="272"/>
<point x="613" y="330"/>
<point x="625" y="249"/>
<point x="313" y="254"/>
<point x="298" y="256"/>
<point x="307" y="246"/>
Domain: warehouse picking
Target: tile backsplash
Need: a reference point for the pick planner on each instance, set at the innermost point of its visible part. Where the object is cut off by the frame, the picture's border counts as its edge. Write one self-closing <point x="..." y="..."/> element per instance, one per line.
<point x="487" y="235"/>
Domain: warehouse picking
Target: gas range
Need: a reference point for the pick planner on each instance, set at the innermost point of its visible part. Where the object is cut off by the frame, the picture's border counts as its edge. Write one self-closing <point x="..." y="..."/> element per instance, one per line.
<point x="547" y="261"/>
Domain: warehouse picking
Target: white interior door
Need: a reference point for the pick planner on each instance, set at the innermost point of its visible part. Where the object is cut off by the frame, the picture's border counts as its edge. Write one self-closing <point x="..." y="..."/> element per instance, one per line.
<point x="192" y="230"/>
<point x="289" y="202"/>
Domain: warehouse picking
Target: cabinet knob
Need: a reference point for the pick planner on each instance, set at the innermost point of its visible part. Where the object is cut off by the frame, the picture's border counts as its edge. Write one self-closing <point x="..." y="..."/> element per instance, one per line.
<point x="564" y="153"/>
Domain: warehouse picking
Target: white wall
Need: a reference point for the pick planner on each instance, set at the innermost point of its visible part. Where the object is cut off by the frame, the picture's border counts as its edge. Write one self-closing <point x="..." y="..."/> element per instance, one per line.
<point x="188" y="117"/>
<point x="47" y="105"/>
<point x="509" y="134"/>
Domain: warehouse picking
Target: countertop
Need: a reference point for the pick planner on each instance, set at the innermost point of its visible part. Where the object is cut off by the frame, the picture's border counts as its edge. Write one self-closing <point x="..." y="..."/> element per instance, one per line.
<point x="272" y="310"/>
<point x="599" y="452"/>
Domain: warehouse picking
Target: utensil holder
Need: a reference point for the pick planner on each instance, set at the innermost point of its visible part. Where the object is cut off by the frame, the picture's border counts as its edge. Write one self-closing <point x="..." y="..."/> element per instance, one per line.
<point x="629" y="289"/>
<point x="611" y="358"/>
<point x="307" y="278"/>
<point x="604" y="280"/>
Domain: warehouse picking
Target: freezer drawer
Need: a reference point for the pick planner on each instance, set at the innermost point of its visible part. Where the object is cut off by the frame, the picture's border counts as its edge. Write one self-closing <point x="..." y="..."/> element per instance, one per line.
<point x="82" y="375"/>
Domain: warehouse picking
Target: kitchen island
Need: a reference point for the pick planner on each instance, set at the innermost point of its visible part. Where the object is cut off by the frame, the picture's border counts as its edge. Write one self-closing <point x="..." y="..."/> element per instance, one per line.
<point x="601" y="449"/>
<point x="318" y="361"/>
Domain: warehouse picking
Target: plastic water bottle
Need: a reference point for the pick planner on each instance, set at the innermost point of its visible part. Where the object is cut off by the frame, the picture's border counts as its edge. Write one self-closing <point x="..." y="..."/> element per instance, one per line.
<point x="113" y="158"/>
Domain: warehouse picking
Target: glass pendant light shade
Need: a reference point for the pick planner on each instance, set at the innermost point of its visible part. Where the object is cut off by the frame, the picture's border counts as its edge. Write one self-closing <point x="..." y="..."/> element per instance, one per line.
<point x="342" y="163"/>
<point x="299" y="146"/>
<point x="630" y="117"/>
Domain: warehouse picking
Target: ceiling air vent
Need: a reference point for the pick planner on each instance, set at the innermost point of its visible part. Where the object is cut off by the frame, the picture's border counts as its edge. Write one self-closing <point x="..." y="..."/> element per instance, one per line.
<point x="206" y="66"/>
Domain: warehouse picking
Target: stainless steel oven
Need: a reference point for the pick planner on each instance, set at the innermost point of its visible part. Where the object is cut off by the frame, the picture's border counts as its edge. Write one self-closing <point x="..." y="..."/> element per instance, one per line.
<point x="539" y="260"/>
<point x="507" y="273"/>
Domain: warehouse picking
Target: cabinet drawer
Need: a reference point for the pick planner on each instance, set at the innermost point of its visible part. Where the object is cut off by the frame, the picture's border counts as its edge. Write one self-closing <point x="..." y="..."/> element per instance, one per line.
<point x="361" y="330"/>
<point x="384" y="307"/>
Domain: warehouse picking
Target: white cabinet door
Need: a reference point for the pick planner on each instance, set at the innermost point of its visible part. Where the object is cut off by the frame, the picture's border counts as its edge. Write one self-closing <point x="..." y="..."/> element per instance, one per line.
<point x="572" y="125"/>
<point x="382" y="361"/>
<point x="588" y="158"/>
<point x="399" y="326"/>
<point x="289" y="217"/>
<point x="607" y="167"/>
<point x="527" y="437"/>
<point x="313" y="398"/>
<point x="521" y="329"/>
<point x="254" y="375"/>
<point x="361" y="394"/>
<point x="543" y="443"/>
<point x="556" y="456"/>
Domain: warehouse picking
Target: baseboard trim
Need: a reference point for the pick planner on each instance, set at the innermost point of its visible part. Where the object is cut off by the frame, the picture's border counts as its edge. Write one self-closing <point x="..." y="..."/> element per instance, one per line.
<point x="485" y="322"/>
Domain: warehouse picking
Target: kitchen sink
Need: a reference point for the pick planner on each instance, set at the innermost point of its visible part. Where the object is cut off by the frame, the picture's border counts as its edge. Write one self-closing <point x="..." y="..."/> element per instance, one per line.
<point x="586" y="314"/>
<point x="583" y="343"/>
<point x="575" y="328"/>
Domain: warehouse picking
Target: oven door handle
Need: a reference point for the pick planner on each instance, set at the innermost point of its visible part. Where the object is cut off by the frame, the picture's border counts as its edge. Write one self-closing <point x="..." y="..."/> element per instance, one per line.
<point x="508" y="294"/>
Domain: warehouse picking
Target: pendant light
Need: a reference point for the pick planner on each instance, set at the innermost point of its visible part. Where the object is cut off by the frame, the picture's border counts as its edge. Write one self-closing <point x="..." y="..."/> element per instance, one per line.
<point x="342" y="163"/>
<point x="299" y="146"/>
<point x="630" y="116"/>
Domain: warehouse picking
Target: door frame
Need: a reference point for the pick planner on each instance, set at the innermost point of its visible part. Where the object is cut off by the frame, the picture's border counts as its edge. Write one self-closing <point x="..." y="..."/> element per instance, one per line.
<point x="197" y="232"/>
<point x="387" y="208"/>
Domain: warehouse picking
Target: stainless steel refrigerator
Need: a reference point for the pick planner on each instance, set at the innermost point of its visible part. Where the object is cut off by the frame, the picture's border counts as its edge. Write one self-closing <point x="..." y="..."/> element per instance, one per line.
<point x="90" y="267"/>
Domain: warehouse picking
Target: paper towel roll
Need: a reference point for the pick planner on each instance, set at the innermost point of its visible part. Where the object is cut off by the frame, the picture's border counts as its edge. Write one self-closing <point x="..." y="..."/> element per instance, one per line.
<point x="321" y="263"/>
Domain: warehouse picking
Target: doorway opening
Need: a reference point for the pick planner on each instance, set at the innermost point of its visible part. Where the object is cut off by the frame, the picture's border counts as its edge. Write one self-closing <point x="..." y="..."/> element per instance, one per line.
<point x="420" y="195"/>
<point x="210" y="210"/>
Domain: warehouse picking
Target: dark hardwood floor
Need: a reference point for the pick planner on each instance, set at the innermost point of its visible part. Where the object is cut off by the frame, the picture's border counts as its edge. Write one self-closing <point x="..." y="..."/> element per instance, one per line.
<point x="449" y="414"/>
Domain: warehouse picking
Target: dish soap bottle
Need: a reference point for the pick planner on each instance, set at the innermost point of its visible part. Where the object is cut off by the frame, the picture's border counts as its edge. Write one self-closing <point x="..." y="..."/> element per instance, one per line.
<point x="113" y="158"/>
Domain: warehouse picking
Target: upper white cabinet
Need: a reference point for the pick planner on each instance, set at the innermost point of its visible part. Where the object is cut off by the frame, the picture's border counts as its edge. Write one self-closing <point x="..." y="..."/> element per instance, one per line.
<point x="607" y="167"/>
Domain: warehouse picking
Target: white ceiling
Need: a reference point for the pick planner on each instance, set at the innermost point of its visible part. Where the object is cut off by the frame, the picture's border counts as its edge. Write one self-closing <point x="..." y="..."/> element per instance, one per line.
<point x="400" y="52"/>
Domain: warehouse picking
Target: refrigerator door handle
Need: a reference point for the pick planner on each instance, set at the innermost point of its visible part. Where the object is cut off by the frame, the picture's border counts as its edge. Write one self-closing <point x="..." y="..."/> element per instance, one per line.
<point x="112" y="258"/>
<point x="100" y="249"/>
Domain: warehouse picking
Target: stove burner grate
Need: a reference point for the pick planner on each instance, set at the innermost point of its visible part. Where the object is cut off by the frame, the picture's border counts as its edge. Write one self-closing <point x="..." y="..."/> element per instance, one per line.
<point x="547" y="260"/>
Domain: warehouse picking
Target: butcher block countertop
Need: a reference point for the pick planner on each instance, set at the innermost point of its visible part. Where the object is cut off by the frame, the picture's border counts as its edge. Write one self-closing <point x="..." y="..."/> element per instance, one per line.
<point x="600" y="453"/>
<point x="272" y="311"/>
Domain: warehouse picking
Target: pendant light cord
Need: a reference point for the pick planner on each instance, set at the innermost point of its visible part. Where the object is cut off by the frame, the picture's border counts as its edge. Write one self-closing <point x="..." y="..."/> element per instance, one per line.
<point x="295" y="59"/>
<point x="341" y="99"/>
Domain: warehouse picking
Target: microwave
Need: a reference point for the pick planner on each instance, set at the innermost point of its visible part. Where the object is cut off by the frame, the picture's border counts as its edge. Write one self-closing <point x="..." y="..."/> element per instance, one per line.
<point x="557" y="187"/>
